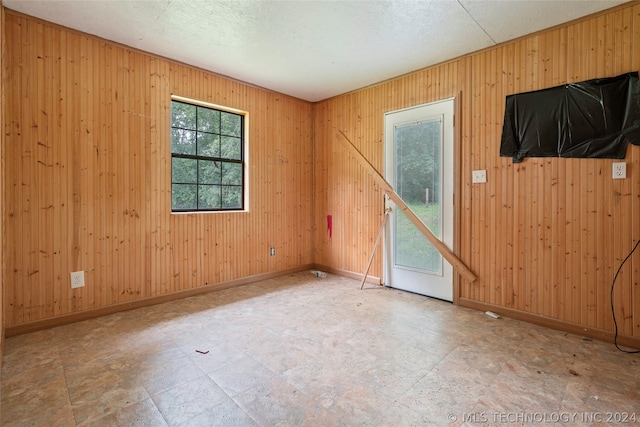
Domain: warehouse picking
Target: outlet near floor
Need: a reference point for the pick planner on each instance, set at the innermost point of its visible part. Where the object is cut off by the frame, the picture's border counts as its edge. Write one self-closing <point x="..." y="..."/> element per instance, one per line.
<point x="77" y="279"/>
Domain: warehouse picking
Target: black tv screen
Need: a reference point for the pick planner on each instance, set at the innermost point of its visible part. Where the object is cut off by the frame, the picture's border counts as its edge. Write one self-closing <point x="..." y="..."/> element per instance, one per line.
<point x="592" y="119"/>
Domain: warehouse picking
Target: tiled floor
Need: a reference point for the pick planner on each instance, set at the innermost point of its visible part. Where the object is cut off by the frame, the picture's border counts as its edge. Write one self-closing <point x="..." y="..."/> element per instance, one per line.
<point x="301" y="350"/>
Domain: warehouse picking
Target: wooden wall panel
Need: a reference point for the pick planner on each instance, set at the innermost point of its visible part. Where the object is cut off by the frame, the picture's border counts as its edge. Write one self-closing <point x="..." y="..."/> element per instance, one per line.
<point x="89" y="177"/>
<point x="3" y="267"/>
<point x="545" y="236"/>
<point x="343" y="189"/>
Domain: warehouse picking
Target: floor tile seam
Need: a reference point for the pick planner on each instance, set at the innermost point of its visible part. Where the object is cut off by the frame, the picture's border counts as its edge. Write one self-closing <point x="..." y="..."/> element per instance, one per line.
<point x="230" y="396"/>
<point x="112" y="411"/>
<point x="496" y="413"/>
<point x="415" y="382"/>
<point x="66" y="381"/>
<point x="314" y="356"/>
<point x="566" y="396"/>
<point x="239" y="405"/>
<point x="354" y="376"/>
<point x="439" y="362"/>
<point x="151" y="398"/>
<point x="433" y="368"/>
<point x="382" y="418"/>
<point x="186" y="422"/>
<point x="246" y="390"/>
<point x="403" y="394"/>
<point x="394" y="397"/>
<point x="309" y="398"/>
<point x="108" y="414"/>
<point x="202" y="373"/>
<point x="285" y="379"/>
<point x="541" y="409"/>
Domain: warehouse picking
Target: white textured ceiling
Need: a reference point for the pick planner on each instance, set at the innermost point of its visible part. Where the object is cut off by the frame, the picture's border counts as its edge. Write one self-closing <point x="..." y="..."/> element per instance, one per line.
<point x="310" y="49"/>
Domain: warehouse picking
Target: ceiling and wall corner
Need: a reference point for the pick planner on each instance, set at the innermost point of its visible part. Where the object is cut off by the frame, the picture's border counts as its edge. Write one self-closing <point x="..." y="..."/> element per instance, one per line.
<point x="312" y="50"/>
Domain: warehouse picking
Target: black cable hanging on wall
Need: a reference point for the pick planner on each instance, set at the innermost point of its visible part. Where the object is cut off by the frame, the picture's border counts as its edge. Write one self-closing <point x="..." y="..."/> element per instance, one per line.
<point x="613" y="312"/>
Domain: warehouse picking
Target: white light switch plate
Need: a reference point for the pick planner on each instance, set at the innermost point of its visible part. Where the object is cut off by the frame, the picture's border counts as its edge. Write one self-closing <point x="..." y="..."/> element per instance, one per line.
<point x="479" y="177"/>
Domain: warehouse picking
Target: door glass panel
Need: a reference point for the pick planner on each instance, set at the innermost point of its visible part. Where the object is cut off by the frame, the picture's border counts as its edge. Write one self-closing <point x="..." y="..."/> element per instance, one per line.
<point x="418" y="181"/>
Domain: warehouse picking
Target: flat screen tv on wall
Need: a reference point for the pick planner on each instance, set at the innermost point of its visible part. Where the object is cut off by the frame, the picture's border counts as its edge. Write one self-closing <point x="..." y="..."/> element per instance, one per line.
<point x="591" y="119"/>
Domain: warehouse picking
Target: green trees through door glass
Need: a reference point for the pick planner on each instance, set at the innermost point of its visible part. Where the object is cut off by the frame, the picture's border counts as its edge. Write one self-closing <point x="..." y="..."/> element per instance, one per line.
<point x="418" y="179"/>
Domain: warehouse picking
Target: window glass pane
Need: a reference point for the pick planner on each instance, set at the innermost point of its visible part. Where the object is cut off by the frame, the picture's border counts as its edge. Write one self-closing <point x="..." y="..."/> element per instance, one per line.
<point x="230" y="124"/>
<point x="209" y="197"/>
<point x="231" y="173"/>
<point x="183" y="196"/>
<point x="183" y="115"/>
<point x="208" y="120"/>
<point x="208" y="145"/>
<point x="231" y="197"/>
<point x="183" y="170"/>
<point x="183" y="141"/>
<point x="230" y="148"/>
<point x="209" y="172"/>
<point x="207" y="166"/>
<point x="418" y="148"/>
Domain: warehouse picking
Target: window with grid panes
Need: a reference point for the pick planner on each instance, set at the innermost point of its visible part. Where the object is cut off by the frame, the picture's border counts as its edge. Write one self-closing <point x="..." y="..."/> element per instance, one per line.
<point x="207" y="158"/>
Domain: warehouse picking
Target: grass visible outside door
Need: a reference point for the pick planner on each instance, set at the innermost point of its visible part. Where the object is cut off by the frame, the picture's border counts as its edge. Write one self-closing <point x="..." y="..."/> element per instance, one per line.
<point x="412" y="248"/>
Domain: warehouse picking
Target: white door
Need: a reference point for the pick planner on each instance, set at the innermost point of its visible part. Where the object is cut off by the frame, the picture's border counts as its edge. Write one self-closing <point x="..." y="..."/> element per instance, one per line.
<point x="419" y="166"/>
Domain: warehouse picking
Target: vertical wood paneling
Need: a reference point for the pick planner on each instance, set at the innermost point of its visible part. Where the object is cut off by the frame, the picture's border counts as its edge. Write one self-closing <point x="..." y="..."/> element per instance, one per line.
<point x="508" y="196"/>
<point x="3" y="222"/>
<point x="544" y="236"/>
<point x="634" y="161"/>
<point x="90" y="177"/>
<point x="87" y="178"/>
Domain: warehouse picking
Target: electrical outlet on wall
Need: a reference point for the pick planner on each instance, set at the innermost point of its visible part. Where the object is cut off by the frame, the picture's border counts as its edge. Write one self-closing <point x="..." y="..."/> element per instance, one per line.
<point x="619" y="170"/>
<point x="77" y="279"/>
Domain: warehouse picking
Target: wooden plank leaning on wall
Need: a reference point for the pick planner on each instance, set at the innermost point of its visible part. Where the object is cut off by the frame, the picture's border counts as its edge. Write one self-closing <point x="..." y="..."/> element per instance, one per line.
<point x="446" y="253"/>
